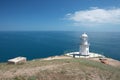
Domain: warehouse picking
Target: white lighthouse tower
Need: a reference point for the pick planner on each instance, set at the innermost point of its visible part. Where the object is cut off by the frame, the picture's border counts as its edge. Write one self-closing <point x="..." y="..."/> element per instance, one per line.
<point x="84" y="46"/>
<point x="84" y="50"/>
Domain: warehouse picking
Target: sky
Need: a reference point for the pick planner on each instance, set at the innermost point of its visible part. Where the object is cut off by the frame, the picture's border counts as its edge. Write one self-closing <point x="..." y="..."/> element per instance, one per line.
<point x="60" y="15"/>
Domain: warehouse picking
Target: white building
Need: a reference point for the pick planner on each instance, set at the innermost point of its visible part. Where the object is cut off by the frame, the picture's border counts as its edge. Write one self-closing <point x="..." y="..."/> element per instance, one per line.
<point x="84" y="50"/>
<point x="17" y="60"/>
<point x="84" y="46"/>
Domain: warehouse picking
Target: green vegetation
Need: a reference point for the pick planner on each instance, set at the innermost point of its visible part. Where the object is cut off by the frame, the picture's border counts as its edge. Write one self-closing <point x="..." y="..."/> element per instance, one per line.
<point x="59" y="69"/>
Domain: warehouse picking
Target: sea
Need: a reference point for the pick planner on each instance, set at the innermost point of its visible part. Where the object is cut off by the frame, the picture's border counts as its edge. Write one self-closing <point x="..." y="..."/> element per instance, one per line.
<point x="42" y="44"/>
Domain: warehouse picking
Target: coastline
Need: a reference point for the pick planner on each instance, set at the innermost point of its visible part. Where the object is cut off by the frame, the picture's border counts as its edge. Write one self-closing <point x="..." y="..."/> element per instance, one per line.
<point x="111" y="61"/>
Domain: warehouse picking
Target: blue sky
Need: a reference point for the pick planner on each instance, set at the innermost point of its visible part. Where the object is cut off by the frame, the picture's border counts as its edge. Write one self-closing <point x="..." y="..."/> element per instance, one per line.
<point x="60" y="15"/>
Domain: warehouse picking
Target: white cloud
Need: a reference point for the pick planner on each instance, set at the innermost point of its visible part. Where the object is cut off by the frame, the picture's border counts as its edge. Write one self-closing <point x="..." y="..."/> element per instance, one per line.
<point x="95" y="16"/>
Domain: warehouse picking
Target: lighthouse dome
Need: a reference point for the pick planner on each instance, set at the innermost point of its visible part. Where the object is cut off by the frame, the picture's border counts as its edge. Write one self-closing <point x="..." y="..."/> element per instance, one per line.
<point x="84" y="35"/>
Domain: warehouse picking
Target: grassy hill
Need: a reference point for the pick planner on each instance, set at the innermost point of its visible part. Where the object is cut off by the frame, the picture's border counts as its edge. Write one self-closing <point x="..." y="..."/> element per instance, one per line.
<point x="59" y="69"/>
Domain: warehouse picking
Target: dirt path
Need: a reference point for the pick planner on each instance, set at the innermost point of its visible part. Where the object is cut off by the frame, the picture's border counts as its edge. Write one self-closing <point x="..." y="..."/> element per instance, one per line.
<point x="57" y="57"/>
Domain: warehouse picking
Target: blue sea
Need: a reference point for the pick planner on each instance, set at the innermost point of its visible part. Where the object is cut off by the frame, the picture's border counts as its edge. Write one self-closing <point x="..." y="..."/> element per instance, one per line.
<point x="41" y="44"/>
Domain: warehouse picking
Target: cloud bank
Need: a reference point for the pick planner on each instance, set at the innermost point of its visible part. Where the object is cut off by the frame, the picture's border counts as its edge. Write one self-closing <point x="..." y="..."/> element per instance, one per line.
<point x="95" y="16"/>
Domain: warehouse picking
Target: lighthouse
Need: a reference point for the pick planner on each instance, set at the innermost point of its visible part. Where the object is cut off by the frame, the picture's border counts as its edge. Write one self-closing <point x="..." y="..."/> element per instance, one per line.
<point x="84" y="46"/>
<point x="84" y="49"/>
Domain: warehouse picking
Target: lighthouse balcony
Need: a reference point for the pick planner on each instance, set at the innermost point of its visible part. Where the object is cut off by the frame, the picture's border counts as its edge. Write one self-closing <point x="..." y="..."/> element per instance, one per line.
<point x="85" y="44"/>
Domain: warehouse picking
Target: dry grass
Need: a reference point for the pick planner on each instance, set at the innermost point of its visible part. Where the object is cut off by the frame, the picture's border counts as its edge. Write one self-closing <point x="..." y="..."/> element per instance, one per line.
<point x="59" y="69"/>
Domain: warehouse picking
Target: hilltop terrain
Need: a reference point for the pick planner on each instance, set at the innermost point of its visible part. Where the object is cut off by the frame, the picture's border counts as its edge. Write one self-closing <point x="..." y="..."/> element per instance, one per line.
<point x="61" y="68"/>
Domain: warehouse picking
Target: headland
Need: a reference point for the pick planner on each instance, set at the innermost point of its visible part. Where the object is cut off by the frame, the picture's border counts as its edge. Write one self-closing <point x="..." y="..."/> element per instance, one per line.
<point x="61" y="67"/>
